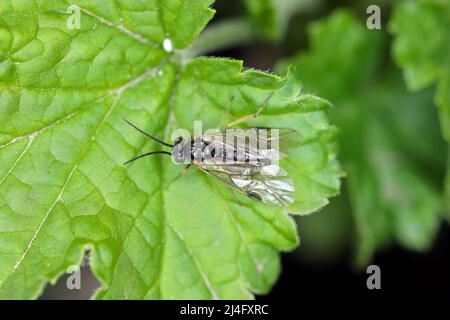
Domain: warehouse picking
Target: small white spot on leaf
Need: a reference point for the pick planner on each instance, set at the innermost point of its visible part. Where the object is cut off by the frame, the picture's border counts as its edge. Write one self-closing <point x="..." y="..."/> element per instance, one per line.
<point x="167" y="45"/>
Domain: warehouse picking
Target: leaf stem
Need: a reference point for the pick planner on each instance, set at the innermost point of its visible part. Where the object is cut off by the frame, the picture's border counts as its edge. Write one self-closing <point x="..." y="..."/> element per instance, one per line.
<point x="221" y="35"/>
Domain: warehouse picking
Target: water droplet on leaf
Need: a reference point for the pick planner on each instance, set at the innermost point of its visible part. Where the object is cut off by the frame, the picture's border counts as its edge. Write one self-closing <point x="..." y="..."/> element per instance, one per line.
<point x="168" y="45"/>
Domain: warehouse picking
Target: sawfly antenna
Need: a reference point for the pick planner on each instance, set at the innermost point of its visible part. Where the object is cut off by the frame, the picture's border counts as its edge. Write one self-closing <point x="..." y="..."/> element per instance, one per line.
<point x="147" y="154"/>
<point x="149" y="136"/>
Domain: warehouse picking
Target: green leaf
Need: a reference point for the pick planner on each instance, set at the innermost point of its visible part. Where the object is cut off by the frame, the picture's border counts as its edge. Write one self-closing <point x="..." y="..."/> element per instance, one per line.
<point x="383" y="177"/>
<point x="271" y="17"/>
<point x="64" y="190"/>
<point x="422" y="49"/>
<point x="423" y="64"/>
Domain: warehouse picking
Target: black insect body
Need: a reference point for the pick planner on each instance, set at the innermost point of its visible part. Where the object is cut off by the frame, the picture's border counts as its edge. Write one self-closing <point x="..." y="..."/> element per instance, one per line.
<point x="244" y="159"/>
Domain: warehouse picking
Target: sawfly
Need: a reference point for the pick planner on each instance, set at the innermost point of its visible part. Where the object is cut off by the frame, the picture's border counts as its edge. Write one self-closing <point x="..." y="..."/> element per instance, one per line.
<point x="243" y="159"/>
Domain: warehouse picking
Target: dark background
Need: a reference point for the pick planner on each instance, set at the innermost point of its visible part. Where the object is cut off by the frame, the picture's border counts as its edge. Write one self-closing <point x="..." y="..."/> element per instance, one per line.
<point x="404" y="274"/>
